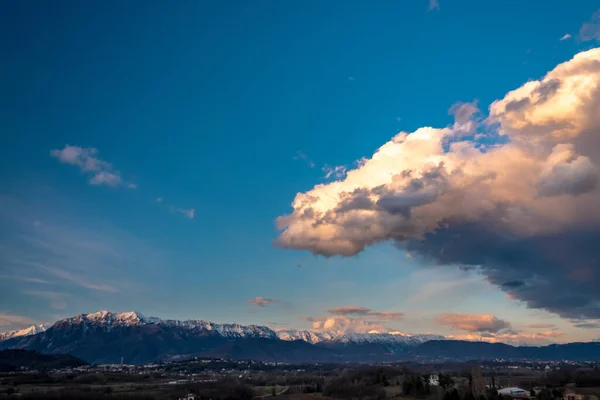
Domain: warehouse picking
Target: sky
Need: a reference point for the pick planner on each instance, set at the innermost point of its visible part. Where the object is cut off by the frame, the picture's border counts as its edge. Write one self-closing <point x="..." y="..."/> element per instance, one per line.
<point x="345" y="165"/>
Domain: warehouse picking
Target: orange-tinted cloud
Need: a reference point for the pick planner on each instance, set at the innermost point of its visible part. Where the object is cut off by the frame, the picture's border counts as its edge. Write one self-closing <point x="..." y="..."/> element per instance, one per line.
<point x="522" y="209"/>
<point x="349" y="310"/>
<point x="540" y="326"/>
<point x="262" y="301"/>
<point x="472" y="322"/>
<point x="366" y="313"/>
<point x="512" y="337"/>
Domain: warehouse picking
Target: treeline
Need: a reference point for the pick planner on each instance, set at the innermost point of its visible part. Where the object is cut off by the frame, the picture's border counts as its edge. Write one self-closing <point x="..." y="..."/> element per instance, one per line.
<point x="12" y="360"/>
<point x="101" y="378"/>
<point x="226" y="389"/>
<point x="581" y="378"/>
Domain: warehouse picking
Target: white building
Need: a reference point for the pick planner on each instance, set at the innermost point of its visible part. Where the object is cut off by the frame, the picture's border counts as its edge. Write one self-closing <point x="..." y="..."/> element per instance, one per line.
<point x="434" y="380"/>
<point x="514" y="392"/>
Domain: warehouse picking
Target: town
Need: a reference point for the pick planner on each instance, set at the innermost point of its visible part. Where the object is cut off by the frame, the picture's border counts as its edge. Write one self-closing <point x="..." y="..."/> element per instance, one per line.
<point x="246" y="379"/>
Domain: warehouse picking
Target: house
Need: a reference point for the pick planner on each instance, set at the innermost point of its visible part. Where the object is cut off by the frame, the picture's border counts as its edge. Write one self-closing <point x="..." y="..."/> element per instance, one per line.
<point x="514" y="392"/>
<point x="572" y="396"/>
<point x="434" y="380"/>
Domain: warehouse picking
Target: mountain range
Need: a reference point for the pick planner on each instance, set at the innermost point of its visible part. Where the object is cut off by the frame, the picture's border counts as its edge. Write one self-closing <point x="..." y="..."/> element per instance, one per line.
<point x="105" y="337"/>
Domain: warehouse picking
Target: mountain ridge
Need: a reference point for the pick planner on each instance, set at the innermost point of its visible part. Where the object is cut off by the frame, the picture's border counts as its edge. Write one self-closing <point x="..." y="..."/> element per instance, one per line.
<point x="105" y="337"/>
<point x="31" y="330"/>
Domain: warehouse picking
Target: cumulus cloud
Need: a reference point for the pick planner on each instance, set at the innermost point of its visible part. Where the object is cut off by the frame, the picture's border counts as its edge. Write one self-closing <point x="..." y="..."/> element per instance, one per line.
<point x="515" y="338"/>
<point x="262" y="301"/>
<point x="520" y="207"/>
<point x="591" y="29"/>
<point x="465" y="122"/>
<point x="100" y="172"/>
<point x="343" y="325"/>
<point x="354" y="319"/>
<point x="473" y="322"/>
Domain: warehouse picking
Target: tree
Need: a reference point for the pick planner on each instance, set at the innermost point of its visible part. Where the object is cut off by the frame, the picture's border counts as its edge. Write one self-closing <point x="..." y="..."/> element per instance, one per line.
<point x="452" y="395"/>
<point x="446" y="381"/>
<point x="545" y="394"/>
<point x="384" y="381"/>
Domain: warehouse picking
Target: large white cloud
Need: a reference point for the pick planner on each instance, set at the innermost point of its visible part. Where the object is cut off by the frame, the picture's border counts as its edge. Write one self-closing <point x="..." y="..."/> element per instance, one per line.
<point x="524" y="209"/>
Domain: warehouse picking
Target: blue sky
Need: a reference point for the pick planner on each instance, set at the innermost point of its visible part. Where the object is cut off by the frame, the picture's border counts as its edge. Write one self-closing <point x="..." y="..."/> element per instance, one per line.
<point x="230" y="109"/>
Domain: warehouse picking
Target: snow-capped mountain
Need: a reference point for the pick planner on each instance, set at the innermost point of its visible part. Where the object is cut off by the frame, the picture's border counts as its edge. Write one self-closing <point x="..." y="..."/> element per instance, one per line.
<point x="105" y="337"/>
<point x="394" y="338"/>
<point x="32" y="330"/>
<point x="107" y="321"/>
<point x="307" y="336"/>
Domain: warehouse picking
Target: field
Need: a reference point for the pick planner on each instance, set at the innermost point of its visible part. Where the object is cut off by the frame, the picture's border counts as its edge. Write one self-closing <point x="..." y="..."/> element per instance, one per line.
<point x="244" y="381"/>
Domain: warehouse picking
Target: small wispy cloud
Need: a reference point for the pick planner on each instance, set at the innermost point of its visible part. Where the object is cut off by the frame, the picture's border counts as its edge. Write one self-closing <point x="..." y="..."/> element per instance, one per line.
<point x="337" y="172"/>
<point x="591" y="29"/>
<point x="565" y="37"/>
<point x="276" y="324"/>
<point x="16" y="320"/>
<point x="187" y="212"/>
<point x="262" y="301"/>
<point x="351" y="78"/>
<point x="361" y="161"/>
<point x="24" y="279"/>
<point x="586" y="324"/>
<point x="540" y="326"/>
<point x="190" y="212"/>
<point x="434" y="5"/>
<point x="69" y="276"/>
<point x="86" y="159"/>
<point x="57" y="300"/>
<point x="366" y="313"/>
<point x="349" y="310"/>
<point x="301" y="156"/>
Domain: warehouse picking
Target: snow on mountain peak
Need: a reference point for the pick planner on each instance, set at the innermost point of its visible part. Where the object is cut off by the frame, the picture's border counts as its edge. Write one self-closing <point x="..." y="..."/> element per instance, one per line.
<point x="107" y="320"/>
<point x="32" y="330"/>
<point x="373" y="336"/>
